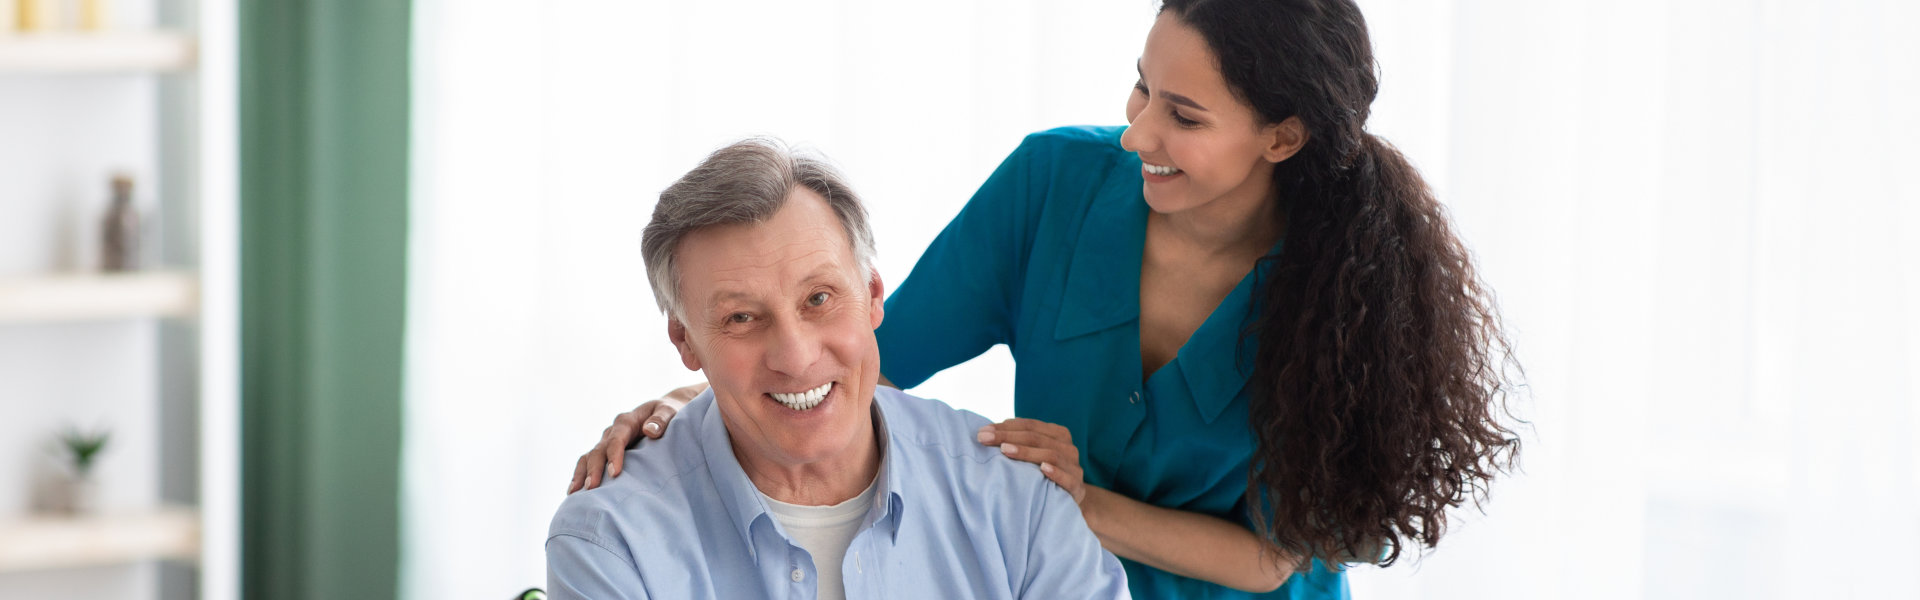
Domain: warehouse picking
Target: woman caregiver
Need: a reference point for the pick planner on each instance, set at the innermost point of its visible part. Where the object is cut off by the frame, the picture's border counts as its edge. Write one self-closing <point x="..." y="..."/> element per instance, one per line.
<point x="1309" y="372"/>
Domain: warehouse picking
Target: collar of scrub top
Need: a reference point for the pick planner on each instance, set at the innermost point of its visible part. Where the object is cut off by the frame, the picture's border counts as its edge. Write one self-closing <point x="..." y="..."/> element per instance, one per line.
<point x="1217" y="358"/>
<point x="743" y="502"/>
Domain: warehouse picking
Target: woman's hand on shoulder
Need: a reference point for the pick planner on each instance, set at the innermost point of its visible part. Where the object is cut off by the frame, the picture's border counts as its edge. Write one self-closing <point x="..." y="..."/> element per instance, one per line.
<point x="1041" y="443"/>
<point x="649" y="419"/>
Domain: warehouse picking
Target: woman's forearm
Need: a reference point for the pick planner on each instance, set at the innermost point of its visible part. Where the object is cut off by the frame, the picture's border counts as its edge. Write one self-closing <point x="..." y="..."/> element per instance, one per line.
<point x="1185" y="543"/>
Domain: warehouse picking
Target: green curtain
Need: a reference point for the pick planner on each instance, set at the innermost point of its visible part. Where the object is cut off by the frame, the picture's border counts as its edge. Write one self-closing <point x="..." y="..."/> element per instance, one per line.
<point x="324" y="146"/>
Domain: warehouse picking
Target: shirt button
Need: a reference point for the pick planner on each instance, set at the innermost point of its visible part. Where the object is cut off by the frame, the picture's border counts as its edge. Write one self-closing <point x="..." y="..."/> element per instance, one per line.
<point x="1133" y="398"/>
<point x="798" y="576"/>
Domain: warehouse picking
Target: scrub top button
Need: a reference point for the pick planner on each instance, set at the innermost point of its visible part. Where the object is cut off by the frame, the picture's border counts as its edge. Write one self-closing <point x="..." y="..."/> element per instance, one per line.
<point x="798" y="576"/>
<point x="1133" y="398"/>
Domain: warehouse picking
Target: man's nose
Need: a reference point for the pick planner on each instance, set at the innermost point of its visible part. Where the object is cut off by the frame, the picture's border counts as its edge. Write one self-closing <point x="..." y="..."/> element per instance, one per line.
<point x="793" y="348"/>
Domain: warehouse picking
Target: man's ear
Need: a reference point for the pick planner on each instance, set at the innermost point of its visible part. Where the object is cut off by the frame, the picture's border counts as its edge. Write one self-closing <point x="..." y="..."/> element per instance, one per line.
<point x="678" y="333"/>
<point x="1284" y="139"/>
<point x="876" y="297"/>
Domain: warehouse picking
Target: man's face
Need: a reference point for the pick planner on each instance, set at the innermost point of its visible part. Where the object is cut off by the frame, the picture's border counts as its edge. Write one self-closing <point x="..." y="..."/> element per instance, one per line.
<point x="777" y="313"/>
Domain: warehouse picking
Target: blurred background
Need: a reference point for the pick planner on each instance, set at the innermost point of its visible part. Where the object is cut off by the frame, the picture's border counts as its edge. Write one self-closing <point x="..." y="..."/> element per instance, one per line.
<point x="307" y="299"/>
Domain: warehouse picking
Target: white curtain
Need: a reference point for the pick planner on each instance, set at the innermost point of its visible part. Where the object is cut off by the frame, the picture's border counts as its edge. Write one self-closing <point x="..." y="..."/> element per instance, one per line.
<point x="1693" y="214"/>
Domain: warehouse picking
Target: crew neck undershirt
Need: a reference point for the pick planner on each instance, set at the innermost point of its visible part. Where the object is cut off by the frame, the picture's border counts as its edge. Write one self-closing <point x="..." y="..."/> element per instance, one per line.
<point x="824" y="532"/>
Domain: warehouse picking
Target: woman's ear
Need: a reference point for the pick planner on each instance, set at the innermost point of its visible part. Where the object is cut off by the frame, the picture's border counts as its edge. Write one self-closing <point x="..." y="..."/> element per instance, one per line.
<point x="1284" y="139"/>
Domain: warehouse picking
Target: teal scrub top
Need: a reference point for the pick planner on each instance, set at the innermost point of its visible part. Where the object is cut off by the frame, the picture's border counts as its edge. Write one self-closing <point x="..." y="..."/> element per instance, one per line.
<point x="1045" y="258"/>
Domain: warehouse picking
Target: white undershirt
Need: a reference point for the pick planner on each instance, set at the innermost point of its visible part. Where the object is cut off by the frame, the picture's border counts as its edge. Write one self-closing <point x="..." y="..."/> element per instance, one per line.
<point x="824" y="532"/>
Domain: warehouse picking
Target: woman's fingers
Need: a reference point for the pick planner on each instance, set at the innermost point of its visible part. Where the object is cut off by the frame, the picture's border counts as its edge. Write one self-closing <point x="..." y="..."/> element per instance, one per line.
<point x="615" y="455"/>
<point x="1054" y="465"/>
<point x="579" y="474"/>
<point x="660" y="413"/>
<point x="612" y="450"/>
<point x="1062" y="461"/>
<point x="1071" y="482"/>
<point x="596" y="464"/>
<point x="1043" y="456"/>
<point x="1042" y="443"/>
<point x="1040" y="427"/>
<point x="1012" y="428"/>
<point x="609" y="457"/>
<point x="1023" y="440"/>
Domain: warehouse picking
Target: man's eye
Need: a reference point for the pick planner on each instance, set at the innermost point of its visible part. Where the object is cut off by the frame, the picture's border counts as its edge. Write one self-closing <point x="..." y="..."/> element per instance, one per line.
<point x="739" y="318"/>
<point x="817" y="299"/>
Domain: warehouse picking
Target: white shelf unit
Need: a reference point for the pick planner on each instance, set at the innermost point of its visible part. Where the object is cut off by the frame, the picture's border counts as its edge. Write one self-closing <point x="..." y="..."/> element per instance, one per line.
<point x="82" y="297"/>
<point x="56" y="542"/>
<point x="60" y="52"/>
<point x="195" y="127"/>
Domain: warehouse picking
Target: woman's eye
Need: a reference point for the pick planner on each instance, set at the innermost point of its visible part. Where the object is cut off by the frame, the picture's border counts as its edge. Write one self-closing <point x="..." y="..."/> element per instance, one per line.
<point x="737" y="318"/>
<point x="1140" y="87"/>
<point x="817" y="299"/>
<point x="1183" y="121"/>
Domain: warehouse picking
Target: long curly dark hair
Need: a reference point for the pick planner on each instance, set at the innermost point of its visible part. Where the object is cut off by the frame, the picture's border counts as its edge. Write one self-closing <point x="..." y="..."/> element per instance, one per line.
<point x="1381" y="373"/>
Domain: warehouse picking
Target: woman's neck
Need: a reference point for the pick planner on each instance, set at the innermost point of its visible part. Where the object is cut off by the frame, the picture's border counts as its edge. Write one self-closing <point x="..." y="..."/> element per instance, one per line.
<point x="1224" y="227"/>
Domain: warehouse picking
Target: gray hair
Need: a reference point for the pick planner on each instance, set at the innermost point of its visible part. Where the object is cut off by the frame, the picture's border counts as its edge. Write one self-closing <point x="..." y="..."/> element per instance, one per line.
<point x="744" y="183"/>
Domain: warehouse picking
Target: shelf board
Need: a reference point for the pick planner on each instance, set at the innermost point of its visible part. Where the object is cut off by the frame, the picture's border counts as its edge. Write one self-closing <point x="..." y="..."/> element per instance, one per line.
<point x="54" y="542"/>
<point x="96" y="52"/>
<point x="82" y="297"/>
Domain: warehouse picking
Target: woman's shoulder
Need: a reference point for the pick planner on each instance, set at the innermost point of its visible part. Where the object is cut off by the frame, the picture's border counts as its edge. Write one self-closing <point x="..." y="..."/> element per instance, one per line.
<point x="1047" y="173"/>
<point x="1075" y="142"/>
<point x="1082" y="157"/>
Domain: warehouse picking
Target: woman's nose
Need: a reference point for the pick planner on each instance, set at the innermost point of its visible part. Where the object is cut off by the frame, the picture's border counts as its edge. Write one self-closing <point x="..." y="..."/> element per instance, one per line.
<point x="1138" y="138"/>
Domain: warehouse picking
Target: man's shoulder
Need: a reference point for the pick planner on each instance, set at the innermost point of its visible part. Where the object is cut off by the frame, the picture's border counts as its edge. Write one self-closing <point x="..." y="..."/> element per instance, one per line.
<point x="937" y="433"/>
<point x="657" y="480"/>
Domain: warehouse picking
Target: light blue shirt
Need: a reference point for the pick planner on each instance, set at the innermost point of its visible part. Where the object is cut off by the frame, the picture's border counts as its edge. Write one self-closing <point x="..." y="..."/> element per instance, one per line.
<point x="951" y="519"/>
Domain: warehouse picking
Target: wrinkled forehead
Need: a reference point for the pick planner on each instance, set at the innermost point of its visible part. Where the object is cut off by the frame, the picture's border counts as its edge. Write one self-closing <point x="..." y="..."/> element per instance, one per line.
<point x="795" y="249"/>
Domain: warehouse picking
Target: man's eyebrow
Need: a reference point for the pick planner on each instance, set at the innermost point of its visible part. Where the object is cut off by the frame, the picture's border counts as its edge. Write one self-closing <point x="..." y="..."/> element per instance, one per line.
<point x="823" y="272"/>
<point x="1176" y="98"/>
<point x="726" y="295"/>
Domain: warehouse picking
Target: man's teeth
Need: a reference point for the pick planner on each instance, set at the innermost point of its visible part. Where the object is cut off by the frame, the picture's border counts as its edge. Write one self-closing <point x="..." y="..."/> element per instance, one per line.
<point x="804" y="400"/>
<point x="1159" y="170"/>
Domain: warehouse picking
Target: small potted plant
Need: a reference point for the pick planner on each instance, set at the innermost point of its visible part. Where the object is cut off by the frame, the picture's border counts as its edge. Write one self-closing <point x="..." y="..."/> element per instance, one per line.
<point x="81" y="448"/>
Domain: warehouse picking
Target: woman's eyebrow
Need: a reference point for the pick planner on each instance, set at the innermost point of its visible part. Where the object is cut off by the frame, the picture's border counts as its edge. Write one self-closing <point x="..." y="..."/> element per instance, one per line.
<point x="1176" y="98"/>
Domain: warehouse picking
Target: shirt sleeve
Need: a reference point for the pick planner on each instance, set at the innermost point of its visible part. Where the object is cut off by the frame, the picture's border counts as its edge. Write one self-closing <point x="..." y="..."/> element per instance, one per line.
<point x="1064" y="558"/>
<point x="578" y="568"/>
<point x="963" y="295"/>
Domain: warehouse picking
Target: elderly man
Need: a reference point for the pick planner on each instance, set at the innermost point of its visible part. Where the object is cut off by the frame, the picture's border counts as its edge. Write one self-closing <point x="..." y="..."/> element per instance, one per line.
<point x="795" y="475"/>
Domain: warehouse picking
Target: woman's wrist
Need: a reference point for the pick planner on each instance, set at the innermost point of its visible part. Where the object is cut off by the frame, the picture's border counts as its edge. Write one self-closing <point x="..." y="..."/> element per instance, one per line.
<point x="1096" y="508"/>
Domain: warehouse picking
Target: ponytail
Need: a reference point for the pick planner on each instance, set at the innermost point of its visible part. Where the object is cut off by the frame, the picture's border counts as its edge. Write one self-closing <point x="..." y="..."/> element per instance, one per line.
<point x="1379" y="370"/>
<point x="1380" y="363"/>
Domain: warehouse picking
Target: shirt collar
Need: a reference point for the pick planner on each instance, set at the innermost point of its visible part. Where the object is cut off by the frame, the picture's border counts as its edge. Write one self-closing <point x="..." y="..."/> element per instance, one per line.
<point x="737" y="493"/>
<point x="1106" y="258"/>
<point x="1218" y="358"/>
<point x="888" y="501"/>
<point x="743" y="501"/>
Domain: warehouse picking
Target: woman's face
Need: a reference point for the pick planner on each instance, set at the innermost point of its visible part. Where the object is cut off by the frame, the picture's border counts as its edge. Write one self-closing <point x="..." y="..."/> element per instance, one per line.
<point x="1200" y="146"/>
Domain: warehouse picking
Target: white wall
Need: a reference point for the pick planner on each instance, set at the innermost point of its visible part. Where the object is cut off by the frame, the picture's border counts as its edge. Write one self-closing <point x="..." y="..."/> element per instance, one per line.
<point x="1692" y="214"/>
<point x="543" y="135"/>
